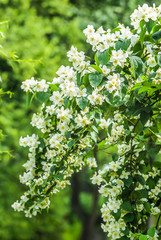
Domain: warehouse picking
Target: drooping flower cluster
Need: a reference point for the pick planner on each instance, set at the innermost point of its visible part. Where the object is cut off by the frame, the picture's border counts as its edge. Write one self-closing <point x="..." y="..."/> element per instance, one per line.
<point x="113" y="102"/>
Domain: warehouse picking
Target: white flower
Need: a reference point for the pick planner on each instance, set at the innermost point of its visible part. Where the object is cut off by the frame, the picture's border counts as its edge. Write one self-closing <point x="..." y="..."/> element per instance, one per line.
<point x="41" y="86"/>
<point x="57" y="98"/>
<point x="91" y="162"/>
<point x="104" y="123"/>
<point x="29" y="84"/>
<point x="96" y="179"/>
<point x="95" y="98"/>
<point x="104" y="191"/>
<point x="105" y="70"/>
<point x="89" y="30"/>
<point x="118" y="58"/>
<point x="124" y="175"/>
<point x="151" y="62"/>
<point x="114" y="82"/>
<point x="82" y="120"/>
<point x="155" y="210"/>
<point x="82" y="92"/>
<point x="17" y="206"/>
<point x="64" y="114"/>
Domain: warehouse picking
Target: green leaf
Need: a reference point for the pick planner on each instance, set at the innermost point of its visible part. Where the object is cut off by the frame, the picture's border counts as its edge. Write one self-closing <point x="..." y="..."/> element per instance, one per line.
<point x="143" y="193"/>
<point x="115" y="29"/>
<point x="94" y="128"/>
<point x="154" y="151"/>
<point x="126" y="231"/>
<point x="156" y="36"/>
<point x="137" y="48"/>
<point x="137" y="66"/>
<point x="94" y="136"/>
<point x="150" y="25"/>
<point x="79" y="80"/>
<point x="41" y="199"/>
<point x="143" y="89"/>
<point x="139" y="127"/>
<point x="156" y="28"/>
<point x="68" y="135"/>
<point x="95" y="79"/>
<point x="136" y="86"/>
<point x="122" y="44"/>
<point x="129" y="217"/>
<point x="128" y="181"/>
<point x="86" y="79"/>
<point x="151" y="182"/>
<point x="124" y="89"/>
<point x="109" y="96"/>
<point x="117" y="215"/>
<point x="52" y="168"/>
<point x="114" y="157"/>
<point x="42" y="144"/>
<point x="110" y="128"/>
<point x="140" y="179"/>
<point x="126" y="206"/>
<point x="42" y="96"/>
<point x="103" y="57"/>
<point x="144" y="117"/>
<point x="159" y="59"/>
<point x="139" y="96"/>
<point x="124" y="238"/>
<point x="97" y="116"/>
<point x="82" y="102"/>
<point x="66" y="102"/>
<point x="71" y="143"/>
<point x="142" y="23"/>
<point x="61" y="176"/>
<point x="98" y="69"/>
<point x="44" y="182"/>
<point x="117" y="101"/>
<point x="143" y="237"/>
<point x="147" y="206"/>
<point x="151" y="76"/>
<point x="89" y="89"/>
<point x="96" y="60"/>
<point x="54" y="87"/>
<point x="142" y="35"/>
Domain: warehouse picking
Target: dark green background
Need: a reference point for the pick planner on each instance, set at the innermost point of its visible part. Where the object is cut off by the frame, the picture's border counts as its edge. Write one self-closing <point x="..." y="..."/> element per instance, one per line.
<point x="40" y="32"/>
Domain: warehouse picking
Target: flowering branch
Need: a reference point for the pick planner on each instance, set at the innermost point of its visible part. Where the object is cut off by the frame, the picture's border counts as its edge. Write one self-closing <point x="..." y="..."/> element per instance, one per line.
<point x="117" y="94"/>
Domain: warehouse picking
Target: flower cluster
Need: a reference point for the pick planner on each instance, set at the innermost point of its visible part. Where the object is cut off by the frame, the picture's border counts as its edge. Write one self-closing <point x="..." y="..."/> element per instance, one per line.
<point x="145" y="13"/>
<point x="112" y="102"/>
<point x="115" y="181"/>
<point x="102" y="40"/>
<point x="32" y="85"/>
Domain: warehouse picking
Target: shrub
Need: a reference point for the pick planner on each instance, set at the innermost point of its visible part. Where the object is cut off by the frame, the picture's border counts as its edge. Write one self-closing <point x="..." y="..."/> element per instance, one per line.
<point x="111" y="100"/>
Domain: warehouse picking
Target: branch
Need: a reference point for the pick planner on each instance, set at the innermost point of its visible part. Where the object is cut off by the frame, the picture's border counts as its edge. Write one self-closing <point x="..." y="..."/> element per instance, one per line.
<point x="101" y="139"/>
<point x="157" y="224"/>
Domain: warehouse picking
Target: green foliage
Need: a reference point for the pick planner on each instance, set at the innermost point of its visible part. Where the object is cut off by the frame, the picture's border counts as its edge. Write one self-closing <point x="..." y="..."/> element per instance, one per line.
<point x="151" y="232"/>
<point x="95" y="79"/>
<point x="82" y="102"/>
<point x="124" y="95"/>
<point x="103" y="57"/>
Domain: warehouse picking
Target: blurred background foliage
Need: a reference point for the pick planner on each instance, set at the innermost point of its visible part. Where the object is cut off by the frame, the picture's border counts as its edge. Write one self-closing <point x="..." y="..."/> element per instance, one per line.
<point x="40" y="32"/>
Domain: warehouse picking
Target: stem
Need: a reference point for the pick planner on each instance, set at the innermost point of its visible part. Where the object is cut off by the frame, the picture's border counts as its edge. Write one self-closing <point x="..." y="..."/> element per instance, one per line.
<point x="151" y="131"/>
<point x="101" y="140"/>
<point x="157" y="224"/>
<point x="146" y="55"/>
